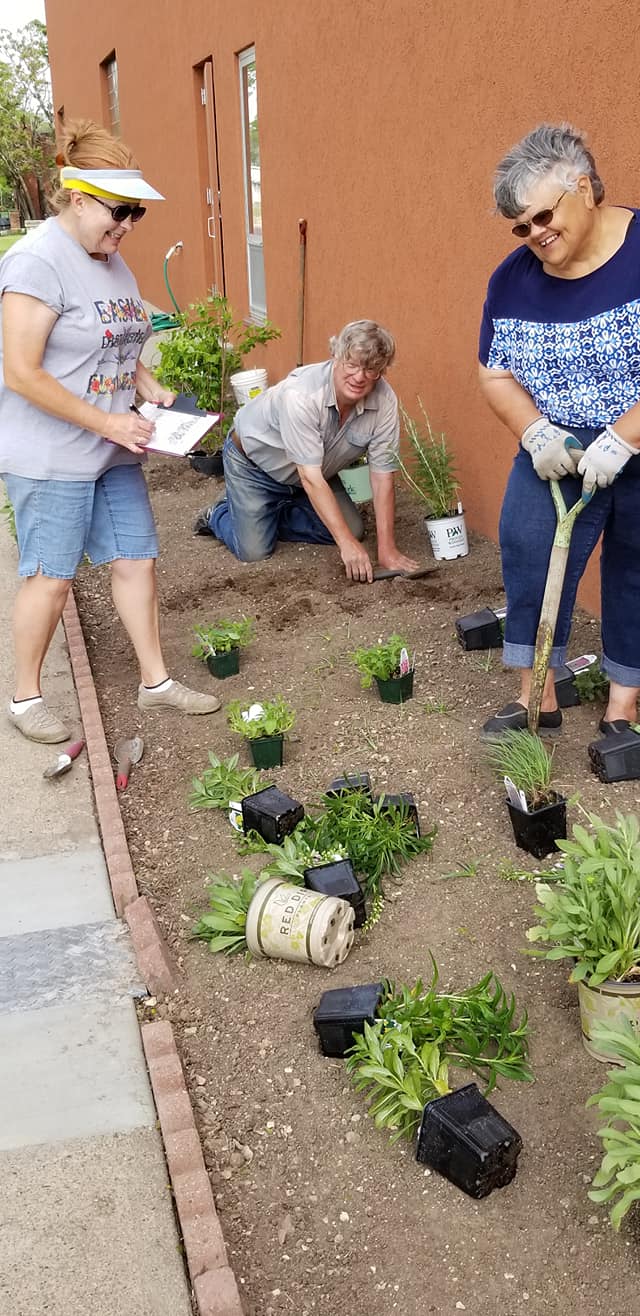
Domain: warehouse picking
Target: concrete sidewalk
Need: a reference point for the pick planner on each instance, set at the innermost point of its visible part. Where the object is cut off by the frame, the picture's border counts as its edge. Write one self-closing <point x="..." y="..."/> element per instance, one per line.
<point x="86" y="1216"/>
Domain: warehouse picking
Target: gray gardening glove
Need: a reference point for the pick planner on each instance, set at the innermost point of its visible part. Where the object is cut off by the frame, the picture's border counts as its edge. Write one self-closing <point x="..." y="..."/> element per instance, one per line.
<point x="603" y="460"/>
<point x="554" y="451"/>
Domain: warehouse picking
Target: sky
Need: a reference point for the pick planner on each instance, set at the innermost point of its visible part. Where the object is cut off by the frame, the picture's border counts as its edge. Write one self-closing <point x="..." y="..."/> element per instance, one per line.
<point x="15" y="16"/>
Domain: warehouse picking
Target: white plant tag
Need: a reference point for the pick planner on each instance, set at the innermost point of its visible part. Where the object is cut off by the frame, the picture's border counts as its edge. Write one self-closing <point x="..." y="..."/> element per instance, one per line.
<point x="250" y="714"/>
<point x="515" y="796"/>
<point x="404" y="662"/>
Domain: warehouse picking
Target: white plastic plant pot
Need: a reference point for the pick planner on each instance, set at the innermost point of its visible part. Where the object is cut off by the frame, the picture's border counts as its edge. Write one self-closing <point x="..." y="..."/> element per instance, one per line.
<point x="289" y="922"/>
<point x="448" y="536"/>
<point x="248" y="384"/>
<point x="609" y="1003"/>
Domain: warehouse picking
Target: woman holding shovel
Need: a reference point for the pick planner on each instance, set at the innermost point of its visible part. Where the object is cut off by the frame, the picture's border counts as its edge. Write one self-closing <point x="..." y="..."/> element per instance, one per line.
<point x="560" y="366"/>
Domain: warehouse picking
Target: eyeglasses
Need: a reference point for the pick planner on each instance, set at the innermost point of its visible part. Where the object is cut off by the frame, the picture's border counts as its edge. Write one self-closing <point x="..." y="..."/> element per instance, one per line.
<point x="542" y="218"/>
<point x="353" y="368"/>
<point x="123" y="211"/>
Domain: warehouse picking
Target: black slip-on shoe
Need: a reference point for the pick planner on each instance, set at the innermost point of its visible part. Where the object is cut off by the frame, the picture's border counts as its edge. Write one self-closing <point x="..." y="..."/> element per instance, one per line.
<point x="618" y="727"/>
<point x="514" y="717"/>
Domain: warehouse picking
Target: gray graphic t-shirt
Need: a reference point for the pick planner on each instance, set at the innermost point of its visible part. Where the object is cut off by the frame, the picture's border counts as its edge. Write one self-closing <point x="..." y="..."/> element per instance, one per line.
<point x="92" y="351"/>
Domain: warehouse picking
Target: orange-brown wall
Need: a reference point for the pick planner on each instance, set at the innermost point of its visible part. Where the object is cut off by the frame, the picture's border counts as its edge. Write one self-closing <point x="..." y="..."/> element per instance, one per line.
<point x="380" y="122"/>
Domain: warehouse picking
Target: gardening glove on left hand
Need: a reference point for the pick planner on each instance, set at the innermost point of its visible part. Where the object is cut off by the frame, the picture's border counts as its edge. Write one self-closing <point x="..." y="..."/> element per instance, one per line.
<point x="553" y="451"/>
<point x="603" y="461"/>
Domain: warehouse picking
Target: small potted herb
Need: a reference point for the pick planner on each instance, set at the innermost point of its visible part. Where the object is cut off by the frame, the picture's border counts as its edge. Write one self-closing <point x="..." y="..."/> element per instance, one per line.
<point x="619" y="1104"/>
<point x="592" y="918"/>
<point x="388" y="665"/>
<point x="263" y="726"/>
<point x="538" y="813"/>
<point x="219" y="644"/>
<point x="430" y="472"/>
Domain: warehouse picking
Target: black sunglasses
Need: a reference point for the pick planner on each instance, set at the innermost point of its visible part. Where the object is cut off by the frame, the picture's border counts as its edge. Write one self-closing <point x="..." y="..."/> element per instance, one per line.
<point x="542" y="218"/>
<point x="124" y="211"/>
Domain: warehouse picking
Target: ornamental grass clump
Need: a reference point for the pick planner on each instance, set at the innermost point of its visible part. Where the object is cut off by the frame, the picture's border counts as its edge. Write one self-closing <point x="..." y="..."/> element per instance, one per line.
<point x="592" y="915"/>
<point x="430" y="469"/>
<point x="619" y="1100"/>
<point x="521" y="756"/>
<point x="381" y="661"/>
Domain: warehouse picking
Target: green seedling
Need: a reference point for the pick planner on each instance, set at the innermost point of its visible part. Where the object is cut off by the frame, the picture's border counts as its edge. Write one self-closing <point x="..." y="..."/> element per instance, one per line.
<point x="277" y="717"/>
<point x="224" y="924"/>
<point x="222" y="636"/>
<point x="223" y="782"/>
<point x="381" y="661"/>
<point x="436" y="706"/>
<point x="592" y="684"/>
<point x="469" y="869"/>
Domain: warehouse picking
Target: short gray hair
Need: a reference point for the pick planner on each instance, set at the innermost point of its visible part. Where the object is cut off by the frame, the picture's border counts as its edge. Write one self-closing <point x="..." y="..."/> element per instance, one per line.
<point x="550" y="149"/>
<point x="366" y="342"/>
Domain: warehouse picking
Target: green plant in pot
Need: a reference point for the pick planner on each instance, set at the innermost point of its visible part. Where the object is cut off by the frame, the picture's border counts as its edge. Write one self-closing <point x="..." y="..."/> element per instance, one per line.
<point x="219" y="644"/>
<point x="200" y="356"/>
<point x="263" y="726"/>
<point x="524" y="763"/>
<point x="619" y="1101"/>
<point x="430" y="472"/>
<point x="223" y="783"/>
<point x="382" y="664"/>
<point x="592" y="918"/>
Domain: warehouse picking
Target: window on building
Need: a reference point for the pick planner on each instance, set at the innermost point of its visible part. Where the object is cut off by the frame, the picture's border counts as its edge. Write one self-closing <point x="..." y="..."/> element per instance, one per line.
<point x="112" y="102"/>
<point x="252" y="183"/>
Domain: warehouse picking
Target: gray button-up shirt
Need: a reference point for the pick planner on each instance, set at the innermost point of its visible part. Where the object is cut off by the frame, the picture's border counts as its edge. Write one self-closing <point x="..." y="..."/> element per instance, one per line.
<point x="297" y="423"/>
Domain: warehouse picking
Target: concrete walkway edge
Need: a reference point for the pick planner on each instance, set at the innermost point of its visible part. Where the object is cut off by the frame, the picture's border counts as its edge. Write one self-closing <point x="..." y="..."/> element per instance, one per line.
<point x="213" y="1281"/>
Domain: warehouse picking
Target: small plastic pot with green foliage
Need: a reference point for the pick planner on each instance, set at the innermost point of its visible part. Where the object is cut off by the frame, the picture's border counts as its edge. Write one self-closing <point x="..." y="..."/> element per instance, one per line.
<point x="263" y="726"/>
<point x="381" y="663"/>
<point x="525" y="760"/>
<point x="219" y="644"/>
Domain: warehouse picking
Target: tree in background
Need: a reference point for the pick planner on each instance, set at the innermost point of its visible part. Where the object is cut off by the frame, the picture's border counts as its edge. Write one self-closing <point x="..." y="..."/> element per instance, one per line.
<point x="27" y="135"/>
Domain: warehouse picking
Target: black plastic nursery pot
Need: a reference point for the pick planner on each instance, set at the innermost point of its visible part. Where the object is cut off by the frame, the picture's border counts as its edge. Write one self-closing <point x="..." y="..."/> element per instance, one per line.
<point x="266" y="751"/>
<point x="397" y="689"/>
<point x="206" y="463"/>
<point x="343" y="1012"/>
<point x="224" y="664"/>
<point x="338" y="879"/>
<point x="465" y="1138"/>
<point x="566" y="690"/>
<point x="353" y="781"/>
<point x="616" y="758"/>
<point x="537" y="832"/>
<point x="271" y="813"/>
<point x="396" y="801"/>
<point x="479" y="630"/>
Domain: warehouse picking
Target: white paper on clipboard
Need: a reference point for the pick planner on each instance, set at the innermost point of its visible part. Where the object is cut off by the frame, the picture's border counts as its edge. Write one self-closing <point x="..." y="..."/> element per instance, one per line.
<point x="176" y="432"/>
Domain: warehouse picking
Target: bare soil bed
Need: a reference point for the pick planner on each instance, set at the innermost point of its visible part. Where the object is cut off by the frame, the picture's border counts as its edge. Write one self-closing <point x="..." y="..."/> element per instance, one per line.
<point x="320" y="1213"/>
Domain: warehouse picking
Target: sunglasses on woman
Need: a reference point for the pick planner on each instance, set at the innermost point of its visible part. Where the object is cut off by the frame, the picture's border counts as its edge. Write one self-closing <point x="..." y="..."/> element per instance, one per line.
<point x="124" y="211"/>
<point x="541" y="220"/>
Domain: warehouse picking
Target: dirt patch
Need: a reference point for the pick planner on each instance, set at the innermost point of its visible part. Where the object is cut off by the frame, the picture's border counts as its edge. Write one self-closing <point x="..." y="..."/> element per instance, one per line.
<point x="319" y="1212"/>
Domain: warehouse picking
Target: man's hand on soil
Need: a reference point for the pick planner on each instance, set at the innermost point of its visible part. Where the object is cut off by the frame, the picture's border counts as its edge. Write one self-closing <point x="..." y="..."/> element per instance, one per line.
<point x="357" y="563"/>
<point x="397" y="562"/>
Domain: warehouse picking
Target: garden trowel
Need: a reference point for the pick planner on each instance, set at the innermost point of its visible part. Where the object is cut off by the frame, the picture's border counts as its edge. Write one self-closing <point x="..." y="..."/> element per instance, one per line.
<point x="387" y="573"/>
<point x="126" y="753"/>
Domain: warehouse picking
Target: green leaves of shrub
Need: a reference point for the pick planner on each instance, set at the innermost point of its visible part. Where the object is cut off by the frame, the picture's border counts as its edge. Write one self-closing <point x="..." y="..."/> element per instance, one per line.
<point x="592" y="915"/>
<point x="397" y="1077"/>
<point x="222" y="636"/>
<point x="381" y="660"/>
<point x="223" y="782"/>
<point x="378" y="838"/>
<point x="592" y="684"/>
<point x="619" y="1100"/>
<point x="277" y="717"/>
<point x="225" y="923"/>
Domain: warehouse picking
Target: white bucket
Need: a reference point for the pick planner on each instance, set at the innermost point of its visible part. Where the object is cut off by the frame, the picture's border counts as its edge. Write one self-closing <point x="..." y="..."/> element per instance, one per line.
<point x="248" y="384"/>
<point x="289" y="922"/>
<point x="448" y="535"/>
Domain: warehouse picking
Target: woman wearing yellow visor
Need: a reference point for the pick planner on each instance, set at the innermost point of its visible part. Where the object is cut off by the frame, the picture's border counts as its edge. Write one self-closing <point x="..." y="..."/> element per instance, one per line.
<point x="73" y="328"/>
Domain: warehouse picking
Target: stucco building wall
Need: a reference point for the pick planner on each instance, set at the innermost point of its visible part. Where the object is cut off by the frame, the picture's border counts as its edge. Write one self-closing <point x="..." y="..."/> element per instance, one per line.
<point x="380" y="122"/>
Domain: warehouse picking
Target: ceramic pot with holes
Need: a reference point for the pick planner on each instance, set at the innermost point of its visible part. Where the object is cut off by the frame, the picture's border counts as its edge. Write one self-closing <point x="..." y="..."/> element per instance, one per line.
<point x="288" y="922"/>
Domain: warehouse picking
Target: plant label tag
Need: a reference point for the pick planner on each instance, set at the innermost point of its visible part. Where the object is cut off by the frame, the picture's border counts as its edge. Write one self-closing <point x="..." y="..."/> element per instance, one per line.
<point x="404" y="662"/>
<point x="515" y="796"/>
<point x="250" y="714"/>
<point x="235" y="815"/>
<point x="582" y="663"/>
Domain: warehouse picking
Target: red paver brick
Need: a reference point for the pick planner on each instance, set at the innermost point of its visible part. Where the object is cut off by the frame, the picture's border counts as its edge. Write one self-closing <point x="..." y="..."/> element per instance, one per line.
<point x="174" y="1110"/>
<point x="217" y="1293"/>
<point x="157" y="1039"/>
<point x="203" y="1243"/>
<point x="152" y="953"/>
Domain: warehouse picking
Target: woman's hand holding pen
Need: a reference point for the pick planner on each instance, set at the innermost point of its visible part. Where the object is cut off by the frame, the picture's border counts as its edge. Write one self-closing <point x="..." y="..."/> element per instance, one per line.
<point x="128" y="429"/>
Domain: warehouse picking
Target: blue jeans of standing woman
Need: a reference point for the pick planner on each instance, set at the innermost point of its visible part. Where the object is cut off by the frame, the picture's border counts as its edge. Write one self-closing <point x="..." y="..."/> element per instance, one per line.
<point x="258" y="511"/>
<point x="527" y="528"/>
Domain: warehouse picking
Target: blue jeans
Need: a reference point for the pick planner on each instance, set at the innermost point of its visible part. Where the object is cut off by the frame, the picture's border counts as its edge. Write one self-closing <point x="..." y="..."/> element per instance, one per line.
<point x="527" y="528"/>
<point x="258" y="511"/>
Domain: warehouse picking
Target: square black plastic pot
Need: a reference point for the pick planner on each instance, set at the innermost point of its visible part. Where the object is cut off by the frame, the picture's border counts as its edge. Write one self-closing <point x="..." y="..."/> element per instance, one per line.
<point x="538" y="832"/>
<point x="479" y="630"/>
<point x="566" y="691"/>
<point x="224" y="664"/>
<point x="404" y="798"/>
<point x="206" y="463"/>
<point x="465" y="1138"/>
<point x="271" y="813"/>
<point x="616" y="758"/>
<point x="397" y="689"/>
<point x="343" y="1012"/>
<point x="354" y="781"/>
<point x="267" y="751"/>
<point x="338" y="879"/>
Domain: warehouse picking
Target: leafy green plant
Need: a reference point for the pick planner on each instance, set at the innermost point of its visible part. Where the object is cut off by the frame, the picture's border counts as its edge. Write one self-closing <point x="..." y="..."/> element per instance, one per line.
<point x="592" y="684"/>
<point x="522" y="756"/>
<point x="592" y="915"/>
<point x="222" y="636"/>
<point x="430" y="471"/>
<point x="6" y="510"/>
<point x="224" y="925"/>
<point x="275" y="718"/>
<point x="223" y="782"/>
<point x="619" y="1172"/>
<point x="200" y="356"/>
<point x="381" y="660"/>
<point x="377" y="837"/>
<point x="402" y="1060"/>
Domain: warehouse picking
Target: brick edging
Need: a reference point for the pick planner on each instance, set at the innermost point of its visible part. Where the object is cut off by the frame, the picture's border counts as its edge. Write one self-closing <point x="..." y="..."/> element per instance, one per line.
<point x="213" y="1280"/>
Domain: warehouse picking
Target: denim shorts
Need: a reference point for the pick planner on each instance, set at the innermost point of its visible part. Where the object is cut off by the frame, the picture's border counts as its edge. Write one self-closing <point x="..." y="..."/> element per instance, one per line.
<point x="58" y="521"/>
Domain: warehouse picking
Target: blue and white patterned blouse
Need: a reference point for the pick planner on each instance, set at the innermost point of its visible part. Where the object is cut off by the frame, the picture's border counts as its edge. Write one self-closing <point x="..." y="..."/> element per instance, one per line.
<point x="573" y="344"/>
